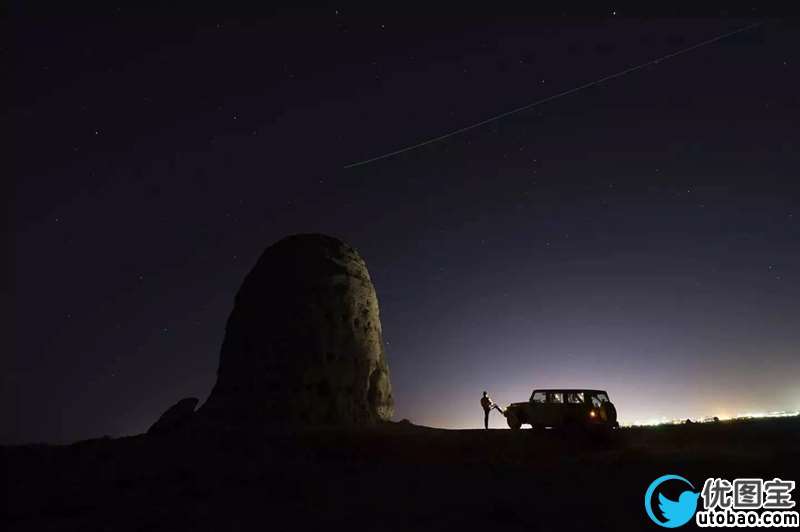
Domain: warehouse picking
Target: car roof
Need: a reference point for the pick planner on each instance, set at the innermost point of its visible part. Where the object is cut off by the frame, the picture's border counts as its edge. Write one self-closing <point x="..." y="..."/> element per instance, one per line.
<point x="569" y="390"/>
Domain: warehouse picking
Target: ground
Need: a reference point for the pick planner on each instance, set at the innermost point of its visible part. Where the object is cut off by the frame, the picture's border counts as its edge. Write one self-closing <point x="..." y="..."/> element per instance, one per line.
<point x="397" y="477"/>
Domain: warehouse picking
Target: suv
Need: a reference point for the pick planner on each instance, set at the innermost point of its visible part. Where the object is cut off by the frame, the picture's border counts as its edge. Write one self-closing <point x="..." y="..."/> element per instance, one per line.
<point x="576" y="408"/>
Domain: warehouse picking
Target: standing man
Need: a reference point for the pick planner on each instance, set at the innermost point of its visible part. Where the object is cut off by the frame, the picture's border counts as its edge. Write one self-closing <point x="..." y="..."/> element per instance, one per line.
<point x="487" y="404"/>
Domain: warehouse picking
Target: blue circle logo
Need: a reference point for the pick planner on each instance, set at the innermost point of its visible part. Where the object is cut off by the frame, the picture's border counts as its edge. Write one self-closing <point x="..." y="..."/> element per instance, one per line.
<point x="676" y="513"/>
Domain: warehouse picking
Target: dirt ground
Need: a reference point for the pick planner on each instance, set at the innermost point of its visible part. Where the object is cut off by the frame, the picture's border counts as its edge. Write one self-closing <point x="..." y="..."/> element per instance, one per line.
<point x="398" y="477"/>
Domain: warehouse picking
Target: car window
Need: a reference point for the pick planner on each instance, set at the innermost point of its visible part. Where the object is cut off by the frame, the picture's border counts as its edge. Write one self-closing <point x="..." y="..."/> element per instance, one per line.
<point x="603" y="397"/>
<point x="574" y="397"/>
<point x="556" y="397"/>
<point x="538" y="397"/>
<point x="596" y="402"/>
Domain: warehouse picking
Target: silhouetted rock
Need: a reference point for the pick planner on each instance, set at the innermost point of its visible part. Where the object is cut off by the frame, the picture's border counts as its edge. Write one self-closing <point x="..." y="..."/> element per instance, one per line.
<point x="303" y="344"/>
<point x="176" y="416"/>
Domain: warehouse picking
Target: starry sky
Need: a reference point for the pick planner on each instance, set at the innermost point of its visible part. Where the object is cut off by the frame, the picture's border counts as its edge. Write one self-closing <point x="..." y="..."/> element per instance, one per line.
<point x="640" y="236"/>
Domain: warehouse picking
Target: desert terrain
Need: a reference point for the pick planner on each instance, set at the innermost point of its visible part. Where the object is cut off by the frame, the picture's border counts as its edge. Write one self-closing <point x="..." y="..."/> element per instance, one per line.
<point x="395" y="477"/>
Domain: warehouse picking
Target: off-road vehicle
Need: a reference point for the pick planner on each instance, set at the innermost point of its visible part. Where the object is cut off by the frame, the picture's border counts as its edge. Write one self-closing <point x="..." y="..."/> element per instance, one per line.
<point x="569" y="408"/>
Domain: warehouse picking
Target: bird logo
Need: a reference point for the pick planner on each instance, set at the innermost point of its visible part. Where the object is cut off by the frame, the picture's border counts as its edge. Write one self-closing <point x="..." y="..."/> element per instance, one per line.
<point x="676" y="513"/>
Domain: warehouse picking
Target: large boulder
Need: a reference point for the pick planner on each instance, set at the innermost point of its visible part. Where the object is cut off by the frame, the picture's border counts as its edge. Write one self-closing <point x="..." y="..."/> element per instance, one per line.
<point x="303" y="344"/>
<point x="177" y="416"/>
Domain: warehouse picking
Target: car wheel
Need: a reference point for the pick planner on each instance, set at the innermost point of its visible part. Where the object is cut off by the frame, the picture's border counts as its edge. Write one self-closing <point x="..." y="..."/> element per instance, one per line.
<point x="513" y="422"/>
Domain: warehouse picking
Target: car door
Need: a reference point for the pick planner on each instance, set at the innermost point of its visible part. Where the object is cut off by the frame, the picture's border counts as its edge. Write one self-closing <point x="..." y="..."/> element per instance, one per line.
<point x="536" y="408"/>
<point x="553" y="409"/>
<point x="573" y="406"/>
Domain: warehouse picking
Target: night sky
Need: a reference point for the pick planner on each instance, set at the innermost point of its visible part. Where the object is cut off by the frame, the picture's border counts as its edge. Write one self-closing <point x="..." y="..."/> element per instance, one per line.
<point x="639" y="236"/>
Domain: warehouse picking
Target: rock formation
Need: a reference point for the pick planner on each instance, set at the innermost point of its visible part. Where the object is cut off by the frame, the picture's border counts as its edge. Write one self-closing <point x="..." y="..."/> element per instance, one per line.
<point x="303" y="343"/>
<point x="176" y="416"/>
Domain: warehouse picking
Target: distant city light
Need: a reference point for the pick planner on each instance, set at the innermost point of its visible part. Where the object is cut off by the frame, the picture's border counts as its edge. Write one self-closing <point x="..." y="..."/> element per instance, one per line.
<point x="749" y="415"/>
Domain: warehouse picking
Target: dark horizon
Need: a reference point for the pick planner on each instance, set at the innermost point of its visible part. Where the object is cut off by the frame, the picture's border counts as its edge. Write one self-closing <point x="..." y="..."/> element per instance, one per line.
<point x="639" y="236"/>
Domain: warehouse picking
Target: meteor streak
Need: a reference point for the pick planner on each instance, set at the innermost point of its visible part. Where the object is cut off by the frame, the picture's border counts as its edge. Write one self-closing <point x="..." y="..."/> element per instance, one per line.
<point x="552" y="97"/>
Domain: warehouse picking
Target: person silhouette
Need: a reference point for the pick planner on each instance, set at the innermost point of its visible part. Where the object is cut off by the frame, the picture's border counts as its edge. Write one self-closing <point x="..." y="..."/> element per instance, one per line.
<point x="487" y="404"/>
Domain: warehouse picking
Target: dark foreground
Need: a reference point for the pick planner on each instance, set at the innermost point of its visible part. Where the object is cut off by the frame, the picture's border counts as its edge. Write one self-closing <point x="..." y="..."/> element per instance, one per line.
<point x="399" y="477"/>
